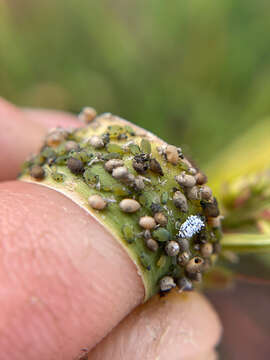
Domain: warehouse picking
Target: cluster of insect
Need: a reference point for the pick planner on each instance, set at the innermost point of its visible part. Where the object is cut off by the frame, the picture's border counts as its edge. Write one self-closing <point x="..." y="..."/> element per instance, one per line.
<point x="156" y="197"/>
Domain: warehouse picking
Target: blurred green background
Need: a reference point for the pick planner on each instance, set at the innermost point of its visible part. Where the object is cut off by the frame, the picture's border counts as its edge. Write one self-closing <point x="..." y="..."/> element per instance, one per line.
<point x="195" y="72"/>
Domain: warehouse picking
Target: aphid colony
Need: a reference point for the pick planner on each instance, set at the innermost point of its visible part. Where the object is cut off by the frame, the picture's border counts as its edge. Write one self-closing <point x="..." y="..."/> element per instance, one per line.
<point x="150" y="196"/>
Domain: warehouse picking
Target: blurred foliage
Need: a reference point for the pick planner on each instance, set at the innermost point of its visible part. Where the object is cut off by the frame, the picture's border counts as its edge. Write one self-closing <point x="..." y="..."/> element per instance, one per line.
<point x="195" y="72"/>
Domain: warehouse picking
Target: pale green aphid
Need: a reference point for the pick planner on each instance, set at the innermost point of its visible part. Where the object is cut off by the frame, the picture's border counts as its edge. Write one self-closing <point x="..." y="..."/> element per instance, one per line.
<point x="148" y="179"/>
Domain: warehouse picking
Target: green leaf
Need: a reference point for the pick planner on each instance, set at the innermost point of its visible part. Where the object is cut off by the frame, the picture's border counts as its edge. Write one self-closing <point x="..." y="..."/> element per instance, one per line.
<point x="246" y="243"/>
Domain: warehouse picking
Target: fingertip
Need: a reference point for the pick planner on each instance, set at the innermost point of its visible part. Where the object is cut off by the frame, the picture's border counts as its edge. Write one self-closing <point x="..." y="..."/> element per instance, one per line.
<point x="62" y="275"/>
<point x="19" y="137"/>
<point x="52" y="118"/>
<point x="178" y="326"/>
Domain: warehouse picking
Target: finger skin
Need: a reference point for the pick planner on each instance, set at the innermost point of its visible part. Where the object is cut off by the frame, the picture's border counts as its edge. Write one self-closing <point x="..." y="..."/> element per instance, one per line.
<point x="22" y="133"/>
<point x="18" y="138"/>
<point x="65" y="282"/>
<point x="52" y="118"/>
<point x="178" y="326"/>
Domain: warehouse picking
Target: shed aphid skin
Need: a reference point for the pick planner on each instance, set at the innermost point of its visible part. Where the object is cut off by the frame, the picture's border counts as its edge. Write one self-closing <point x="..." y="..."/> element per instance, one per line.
<point x="146" y="193"/>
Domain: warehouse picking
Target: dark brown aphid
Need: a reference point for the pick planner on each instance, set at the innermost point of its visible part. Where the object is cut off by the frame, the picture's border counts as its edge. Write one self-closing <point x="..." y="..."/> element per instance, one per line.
<point x="37" y="172"/>
<point x="155" y="167"/>
<point x="201" y="178"/>
<point x="75" y="165"/>
<point x="210" y="208"/>
<point x="140" y="163"/>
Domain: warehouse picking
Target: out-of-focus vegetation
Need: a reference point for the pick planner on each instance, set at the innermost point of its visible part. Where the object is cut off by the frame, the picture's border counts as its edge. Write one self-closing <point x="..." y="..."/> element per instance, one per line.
<point x="195" y="72"/>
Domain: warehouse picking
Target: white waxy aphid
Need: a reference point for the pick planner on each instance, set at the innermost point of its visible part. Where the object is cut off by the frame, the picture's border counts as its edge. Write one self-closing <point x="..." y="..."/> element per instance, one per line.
<point x="191" y="226"/>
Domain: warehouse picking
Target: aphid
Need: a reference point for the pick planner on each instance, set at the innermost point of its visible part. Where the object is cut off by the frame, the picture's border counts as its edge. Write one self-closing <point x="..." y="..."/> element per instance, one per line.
<point x="71" y="145"/>
<point x="128" y="232"/>
<point x="147" y="222"/>
<point x="180" y="201"/>
<point x="201" y="179"/>
<point x="194" y="265"/>
<point x="145" y="260"/>
<point x="183" y="258"/>
<point x="140" y="165"/>
<point x="130" y="179"/>
<point x="184" y="244"/>
<point x="76" y="166"/>
<point x="155" y="167"/>
<point x="167" y="283"/>
<point x="192" y="171"/>
<point x="134" y="148"/>
<point x="152" y="244"/>
<point x="139" y="183"/>
<point x="185" y="180"/>
<point x="57" y="176"/>
<point x="114" y="148"/>
<point x="113" y="164"/>
<point x="161" y="218"/>
<point x="206" y="249"/>
<point x="161" y="235"/>
<point x="210" y="208"/>
<point x="205" y="192"/>
<point x="164" y="198"/>
<point x="96" y="142"/>
<point x="155" y="207"/>
<point x="87" y="115"/>
<point x="120" y="172"/>
<point x="147" y="234"/>
<point x="129" y="205"/>
<point x="184" y="284"/>
<point x="145" y="146"/>
<point x="191" y="226"/>
<point x="172" y="154"/>
<point x="193" y="193"/>
<point x="197" y="276"/>
<point x="172" y="248"/>
<point x="97" y="202"/>
<point x="56" y="137"/>
<point x="215" y="222"/>
<point x="37" y="172"/>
